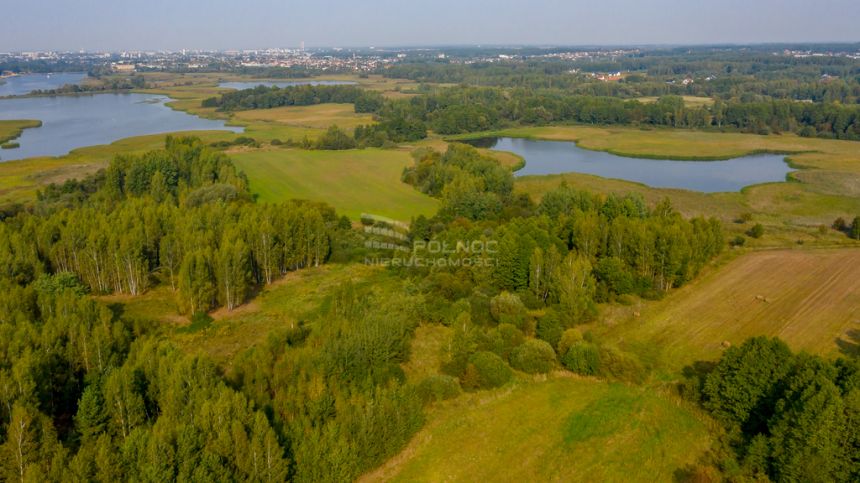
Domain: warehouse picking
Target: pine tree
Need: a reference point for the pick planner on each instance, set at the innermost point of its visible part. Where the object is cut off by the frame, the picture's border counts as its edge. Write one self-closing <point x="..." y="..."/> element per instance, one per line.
<point x="91" y="419"/>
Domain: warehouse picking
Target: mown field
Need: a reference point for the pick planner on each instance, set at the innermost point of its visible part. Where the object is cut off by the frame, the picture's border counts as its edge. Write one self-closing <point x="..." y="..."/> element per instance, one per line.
<point x="354" y="182"/>
<point x="561" y="429"/>
<point x="320" y="116"/>
<point x="808" y="298"/>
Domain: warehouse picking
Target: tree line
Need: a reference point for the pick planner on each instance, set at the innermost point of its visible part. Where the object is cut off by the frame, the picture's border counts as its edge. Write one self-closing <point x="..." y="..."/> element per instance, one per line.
<point x="262" y="97"/>
<point x="181" y="215"/>
<point x="465" y="109"/>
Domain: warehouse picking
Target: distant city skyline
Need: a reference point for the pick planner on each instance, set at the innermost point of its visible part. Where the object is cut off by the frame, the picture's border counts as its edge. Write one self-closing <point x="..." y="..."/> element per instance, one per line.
<point x="101" y="25"/>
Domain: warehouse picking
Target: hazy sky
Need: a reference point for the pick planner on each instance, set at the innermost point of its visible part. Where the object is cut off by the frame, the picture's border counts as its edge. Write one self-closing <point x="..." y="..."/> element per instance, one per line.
<point x="223" y="24"/>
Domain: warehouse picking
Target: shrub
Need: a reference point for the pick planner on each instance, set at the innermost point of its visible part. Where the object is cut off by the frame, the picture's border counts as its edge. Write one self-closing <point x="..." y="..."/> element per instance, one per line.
<point x="756" y="231"/>
<point x="534" y="356"/>
<point x="738" y="241"/>
<point x="808" y="132"/>
<point x="550" y="328"/>
<point x="486" y="370"/>
<point x="568" y="339"/>
<point x="506" y="308"/>
<point x="509" y="339"/>
<point x="438" y="387"/>
<point x="620" y="365"/>
<point x="582" y="358"/>
<point x="840" y="225"/>
<point x="335" y="139"/>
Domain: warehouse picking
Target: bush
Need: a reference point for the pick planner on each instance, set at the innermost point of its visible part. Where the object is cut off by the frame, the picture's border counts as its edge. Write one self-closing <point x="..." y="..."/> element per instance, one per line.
<point x="738" y="241"/>
<point x="438" y="387"/>
<point x="568" y="339"/>
<point x="582" y="358"/>
<point x="509" y="338"/>
<point x="335" y="139"/>
<point x="506" y="308"/>
<point x="620" y="365"/>
<point x="486" y="370"/>
<point x="756" y="231"/>
<point x="534" y="356"/>
<point x="745" y="217"/>
<point x="549" y="328"/>
<point x="808" y="132"/>
<point x="840" y="225"/>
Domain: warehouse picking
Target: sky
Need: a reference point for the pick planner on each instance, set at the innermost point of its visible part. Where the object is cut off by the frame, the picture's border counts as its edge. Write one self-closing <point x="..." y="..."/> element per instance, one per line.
<point x="236" y="24"/>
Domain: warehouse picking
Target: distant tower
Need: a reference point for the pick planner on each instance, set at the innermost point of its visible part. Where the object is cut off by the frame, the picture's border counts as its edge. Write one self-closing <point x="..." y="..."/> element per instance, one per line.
<point x="303" y="46"/>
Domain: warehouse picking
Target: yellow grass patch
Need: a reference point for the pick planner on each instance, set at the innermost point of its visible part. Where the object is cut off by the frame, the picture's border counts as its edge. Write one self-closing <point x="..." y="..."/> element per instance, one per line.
<point x="562" y="429"/>
<point x="808" y="298"/>
<point x="318" y="116"/>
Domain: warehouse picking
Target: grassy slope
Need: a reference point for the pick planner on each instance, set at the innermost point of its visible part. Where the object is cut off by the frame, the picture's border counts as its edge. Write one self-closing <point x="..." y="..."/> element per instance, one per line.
<point x="563" y="429"/>
<point x="354" y="182"/>
<point x="809" y="298"/>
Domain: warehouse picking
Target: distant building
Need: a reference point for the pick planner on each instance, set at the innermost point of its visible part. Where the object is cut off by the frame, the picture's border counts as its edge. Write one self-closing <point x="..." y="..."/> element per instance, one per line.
<point x="123" y="68"/>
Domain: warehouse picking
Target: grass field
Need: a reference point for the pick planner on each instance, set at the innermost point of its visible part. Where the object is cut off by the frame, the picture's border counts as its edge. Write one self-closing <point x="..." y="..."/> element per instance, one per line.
<point x="354" y="182"/>
<point x="320" y="116"/>
<point x="562" y="429"/>
<point x="808" y="298"/>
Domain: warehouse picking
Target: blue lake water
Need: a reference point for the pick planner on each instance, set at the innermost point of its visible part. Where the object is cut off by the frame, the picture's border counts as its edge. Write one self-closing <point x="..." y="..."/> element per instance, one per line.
<point x="556" y="157"/>
<point x="70" y="122"/>
<point x="251" y="85"/>
<point x="24" y="84"/>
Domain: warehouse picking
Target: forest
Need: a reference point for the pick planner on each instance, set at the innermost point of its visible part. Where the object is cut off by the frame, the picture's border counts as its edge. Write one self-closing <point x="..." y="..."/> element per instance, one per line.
<point x="88" y="393"/>
<point x="458" y="110"/>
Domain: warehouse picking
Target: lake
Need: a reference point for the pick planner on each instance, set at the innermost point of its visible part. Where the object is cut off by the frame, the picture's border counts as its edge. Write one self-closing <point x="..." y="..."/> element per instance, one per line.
<point x="250" y="85"/>
<point x="70" y="122"/>
<point x="20" y="85"/>
<point x="556" y="157"/>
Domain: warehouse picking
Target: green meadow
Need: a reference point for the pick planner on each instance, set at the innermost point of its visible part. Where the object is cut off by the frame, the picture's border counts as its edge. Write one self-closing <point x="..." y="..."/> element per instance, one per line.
<point x="560" y="429"/>
<point x="353" y="182"/>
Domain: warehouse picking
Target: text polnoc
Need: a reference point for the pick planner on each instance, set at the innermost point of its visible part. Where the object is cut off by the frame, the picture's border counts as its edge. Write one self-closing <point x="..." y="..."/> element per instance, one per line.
<point x="444" y="247"/>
